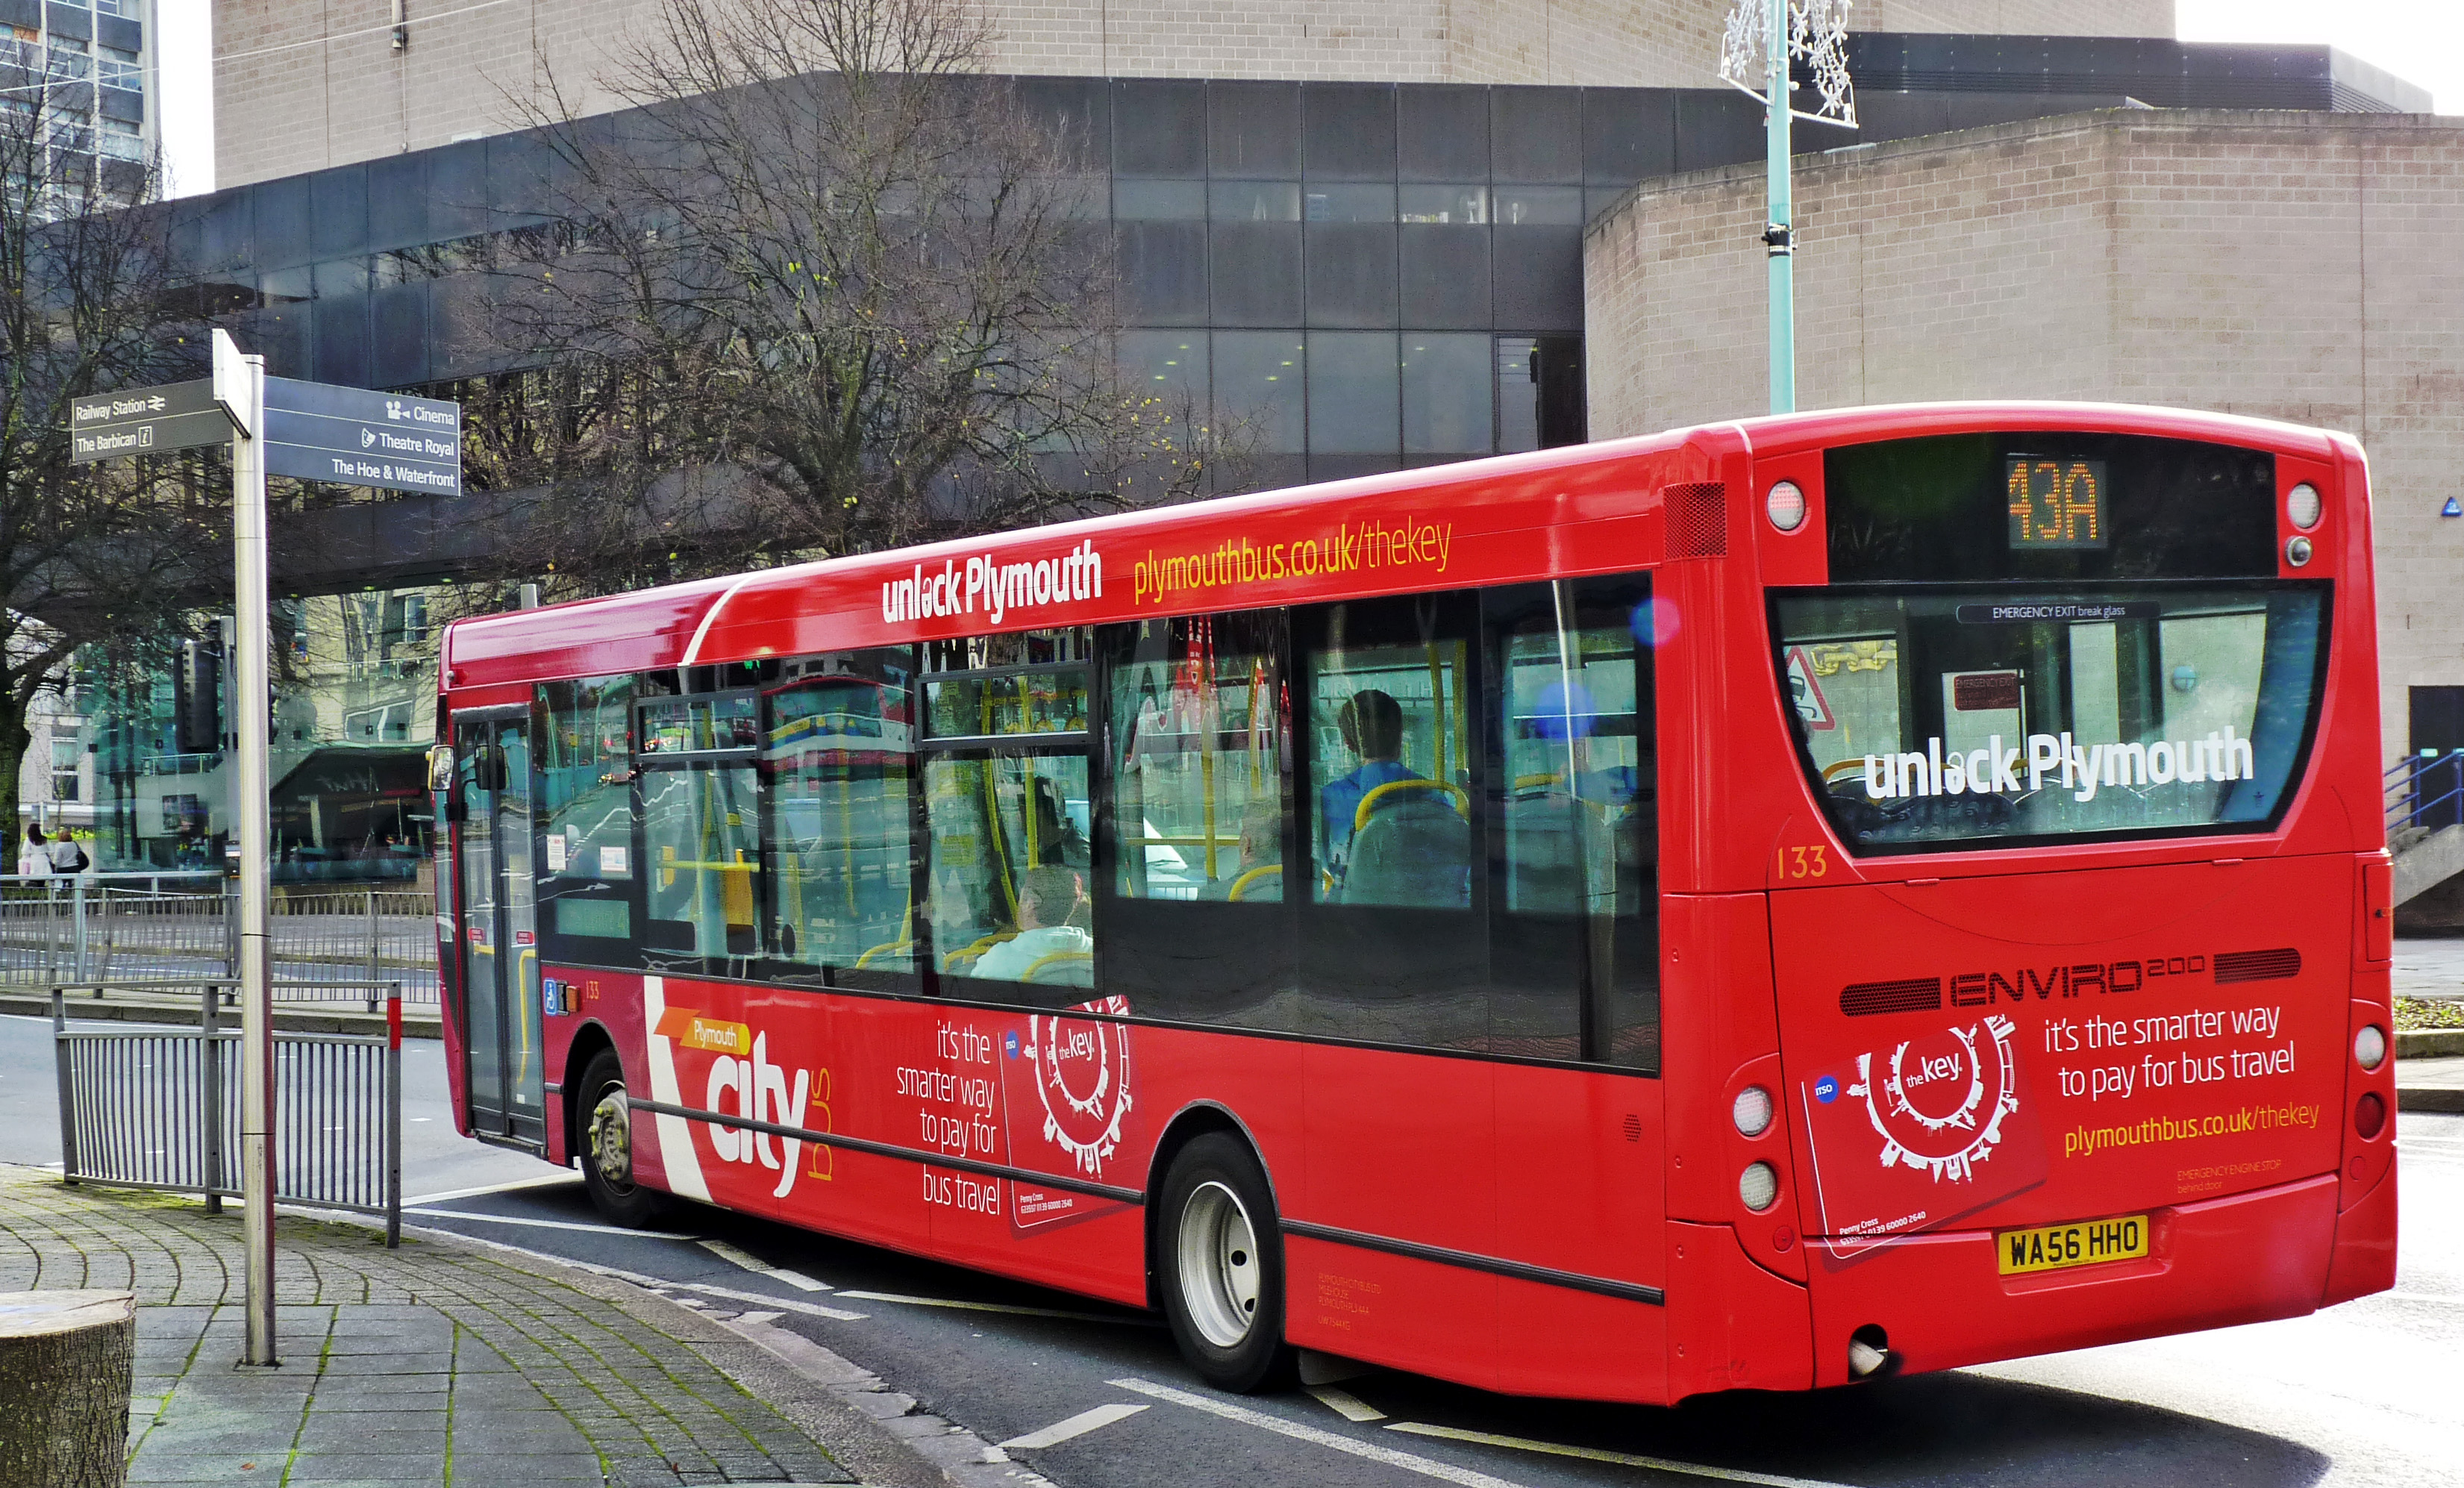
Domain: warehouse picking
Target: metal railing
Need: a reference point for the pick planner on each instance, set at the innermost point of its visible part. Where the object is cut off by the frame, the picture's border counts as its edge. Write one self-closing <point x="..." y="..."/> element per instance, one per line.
<point x="2425" y="790"/>
<point x="87" y="926"/>
<point x="159" y="1107"/>
<point x="371" y="995"/>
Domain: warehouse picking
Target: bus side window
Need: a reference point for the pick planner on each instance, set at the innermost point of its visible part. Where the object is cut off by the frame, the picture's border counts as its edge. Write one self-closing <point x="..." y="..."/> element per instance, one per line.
<point x="701" y="829"/>
<point x="1390" y="819"/>
<point x="1198" y="727"/>
<point x="1574" y="903"/>
<point x="839" y="756"/>
<point x="1391" y="948"/>
<point x="700" y="833"/>
<point x="585" y="773"/>
<point x="1008" y="817"/>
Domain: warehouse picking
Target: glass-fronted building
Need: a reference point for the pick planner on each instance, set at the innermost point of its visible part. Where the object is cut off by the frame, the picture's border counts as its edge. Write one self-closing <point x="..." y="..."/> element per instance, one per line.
<point x="1378" y="275"/>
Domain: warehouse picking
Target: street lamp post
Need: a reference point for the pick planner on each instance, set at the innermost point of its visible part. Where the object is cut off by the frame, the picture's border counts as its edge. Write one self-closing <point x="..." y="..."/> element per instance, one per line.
<point x="1762" y="37"/>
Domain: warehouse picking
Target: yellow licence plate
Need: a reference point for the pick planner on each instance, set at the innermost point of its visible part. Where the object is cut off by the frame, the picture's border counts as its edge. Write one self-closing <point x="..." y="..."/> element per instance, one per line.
<point x="2052" y="1247"/>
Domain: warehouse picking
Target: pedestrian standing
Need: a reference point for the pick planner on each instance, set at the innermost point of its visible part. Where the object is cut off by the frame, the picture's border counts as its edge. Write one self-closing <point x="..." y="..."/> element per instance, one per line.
<point x="67" y="853"/>
<point x="34" y="859"/>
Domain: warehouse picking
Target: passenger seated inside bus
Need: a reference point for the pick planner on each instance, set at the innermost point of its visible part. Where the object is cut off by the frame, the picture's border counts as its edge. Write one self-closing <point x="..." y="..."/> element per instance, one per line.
<point x="1260" y="873"/>
<point x="1051" y="948"/>
<point x="1393" y="836"/>
<point x="1371" y="725"/>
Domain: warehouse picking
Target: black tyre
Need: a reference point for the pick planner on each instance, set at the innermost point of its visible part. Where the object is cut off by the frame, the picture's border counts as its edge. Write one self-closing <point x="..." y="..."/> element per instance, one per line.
<point x="1219" y="1262"/>
<point x="605" y="1125"/>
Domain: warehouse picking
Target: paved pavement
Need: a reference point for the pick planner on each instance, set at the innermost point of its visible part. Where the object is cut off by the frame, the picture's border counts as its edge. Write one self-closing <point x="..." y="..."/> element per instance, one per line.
<point x="2429" y="966"/>
<point x="443" y="1362"/>
<point x="2436" y="1085"/>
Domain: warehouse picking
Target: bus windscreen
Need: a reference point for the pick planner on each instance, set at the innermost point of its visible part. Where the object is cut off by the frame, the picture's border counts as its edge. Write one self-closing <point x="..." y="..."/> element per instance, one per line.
<point x="1992" y="717"/>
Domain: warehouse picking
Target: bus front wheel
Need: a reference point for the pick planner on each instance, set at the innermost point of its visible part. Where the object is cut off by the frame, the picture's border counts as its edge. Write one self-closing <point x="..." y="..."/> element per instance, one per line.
<point x="607" y="1147"/>
<point x="1221" y="1257"/>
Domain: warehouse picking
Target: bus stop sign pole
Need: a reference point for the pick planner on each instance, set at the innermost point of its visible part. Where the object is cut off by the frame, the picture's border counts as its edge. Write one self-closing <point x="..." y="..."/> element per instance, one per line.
<point x="240" y="387"/>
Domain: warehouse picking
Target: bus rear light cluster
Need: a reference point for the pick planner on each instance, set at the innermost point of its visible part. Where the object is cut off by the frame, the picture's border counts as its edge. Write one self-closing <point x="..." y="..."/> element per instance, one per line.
<point x="2370" y="1046"/>
<point x="1751" y="1111"/>
<point x="2301" y="506"/>
<point x="1785" y="506"/>
<point x="2369" y="1116"/>
<point x="1758" y="1187"/>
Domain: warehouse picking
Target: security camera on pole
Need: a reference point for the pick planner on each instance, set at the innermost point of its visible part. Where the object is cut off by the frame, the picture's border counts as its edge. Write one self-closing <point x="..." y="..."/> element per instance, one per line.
<point x="1763" y="37"/>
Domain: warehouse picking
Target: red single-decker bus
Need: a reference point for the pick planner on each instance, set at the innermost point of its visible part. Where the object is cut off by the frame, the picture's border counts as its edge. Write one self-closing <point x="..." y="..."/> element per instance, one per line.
<point x="1754" y="906"/>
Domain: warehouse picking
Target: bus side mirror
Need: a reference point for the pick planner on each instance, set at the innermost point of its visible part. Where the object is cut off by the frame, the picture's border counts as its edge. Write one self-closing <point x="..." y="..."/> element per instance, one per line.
<point x="440" y="768"/>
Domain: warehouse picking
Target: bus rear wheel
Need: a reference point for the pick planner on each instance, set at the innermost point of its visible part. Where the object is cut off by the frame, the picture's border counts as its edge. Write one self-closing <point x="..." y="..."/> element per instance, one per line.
<point x="1221" y="1257"/>
<point x="607" y="1147"/>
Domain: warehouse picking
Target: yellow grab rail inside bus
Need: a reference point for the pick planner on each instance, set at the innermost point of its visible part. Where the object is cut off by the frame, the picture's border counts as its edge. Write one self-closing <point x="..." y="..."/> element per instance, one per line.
<point x="1368" y="803"/>
<point x="1241" y="886"/>
<point x="1055" y="958"/>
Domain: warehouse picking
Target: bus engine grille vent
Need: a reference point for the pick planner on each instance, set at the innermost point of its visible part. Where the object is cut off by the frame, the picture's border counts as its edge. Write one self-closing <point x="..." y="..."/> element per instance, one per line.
<point x="1698" y="519"/>
<point x="2257" y="966"/>
<point x="1917" y="994"/>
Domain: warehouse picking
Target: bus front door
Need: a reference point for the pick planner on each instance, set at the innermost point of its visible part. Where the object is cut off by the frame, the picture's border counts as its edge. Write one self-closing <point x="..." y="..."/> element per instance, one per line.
<point x="500" y="940"/>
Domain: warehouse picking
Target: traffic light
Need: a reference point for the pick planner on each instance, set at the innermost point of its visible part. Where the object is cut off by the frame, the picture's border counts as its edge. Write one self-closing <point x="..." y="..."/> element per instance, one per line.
<point x="197" y="704"/>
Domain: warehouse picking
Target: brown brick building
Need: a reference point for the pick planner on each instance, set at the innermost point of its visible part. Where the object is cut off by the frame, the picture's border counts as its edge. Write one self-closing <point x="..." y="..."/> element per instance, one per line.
<point x="2288" y="265"/>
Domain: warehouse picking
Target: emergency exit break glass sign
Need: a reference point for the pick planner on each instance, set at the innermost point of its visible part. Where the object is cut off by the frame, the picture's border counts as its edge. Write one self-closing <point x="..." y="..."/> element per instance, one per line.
<point x="2055" y="503"/>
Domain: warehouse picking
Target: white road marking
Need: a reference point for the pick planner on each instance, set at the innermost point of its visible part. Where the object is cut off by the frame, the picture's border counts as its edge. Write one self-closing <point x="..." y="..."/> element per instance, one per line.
<point x="1076" y="1425"/>
<point x="983" y="1306"/>
<point x="761" y="1267"/>
<point x="758" y="1316"/>
<point x="1729" y="1474"/>
<point x="1426" y="1467"/>
<point x="543" y="1224"/>
<point x="789" y="1303"/>
<point x="656" y="1285"/>
<point x="543" y="1181"/>
<point x="1347" y="1405"/>
<point x="2429" y="1296"/>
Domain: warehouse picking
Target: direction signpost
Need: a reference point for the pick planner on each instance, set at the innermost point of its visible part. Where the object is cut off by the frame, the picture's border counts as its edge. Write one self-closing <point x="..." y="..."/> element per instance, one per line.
<point x="311" y="430"/>
<point x="348" y="436"/>
<point x="147" y="421"/>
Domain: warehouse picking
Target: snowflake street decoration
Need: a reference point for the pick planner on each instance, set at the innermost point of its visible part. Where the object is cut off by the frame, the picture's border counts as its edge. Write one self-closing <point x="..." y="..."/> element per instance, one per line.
<point x="1817" y="37"/>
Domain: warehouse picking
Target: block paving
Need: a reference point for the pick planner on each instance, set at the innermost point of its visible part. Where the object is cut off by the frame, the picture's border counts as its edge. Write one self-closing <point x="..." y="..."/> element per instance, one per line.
<point x="438" y="1364"/>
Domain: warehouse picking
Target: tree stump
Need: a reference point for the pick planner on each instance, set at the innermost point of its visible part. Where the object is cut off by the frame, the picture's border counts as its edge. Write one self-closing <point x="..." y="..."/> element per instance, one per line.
<point x="65" y="1363"/>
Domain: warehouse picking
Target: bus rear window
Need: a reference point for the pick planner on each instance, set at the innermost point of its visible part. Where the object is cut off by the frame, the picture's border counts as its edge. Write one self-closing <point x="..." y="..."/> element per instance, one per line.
<point x="1996" y="717"/>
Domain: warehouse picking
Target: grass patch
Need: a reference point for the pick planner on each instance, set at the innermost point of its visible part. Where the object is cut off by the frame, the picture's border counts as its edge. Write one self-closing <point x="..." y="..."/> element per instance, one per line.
<point x="2412" y="1013"/>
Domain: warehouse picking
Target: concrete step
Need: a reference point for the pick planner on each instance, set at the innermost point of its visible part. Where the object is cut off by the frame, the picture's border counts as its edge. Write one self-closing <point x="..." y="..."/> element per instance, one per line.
<point x="2425" y="1044"/>
<point x="2429" y="862"/>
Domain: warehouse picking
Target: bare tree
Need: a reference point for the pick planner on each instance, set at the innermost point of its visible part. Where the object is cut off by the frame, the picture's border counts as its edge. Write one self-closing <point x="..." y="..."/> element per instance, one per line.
<point x="824" y="288"/>
<point x="90" y="301"/>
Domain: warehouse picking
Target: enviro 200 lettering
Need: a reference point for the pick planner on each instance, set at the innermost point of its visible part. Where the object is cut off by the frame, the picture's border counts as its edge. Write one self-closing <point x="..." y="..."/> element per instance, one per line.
<point x="2081" y="769"/>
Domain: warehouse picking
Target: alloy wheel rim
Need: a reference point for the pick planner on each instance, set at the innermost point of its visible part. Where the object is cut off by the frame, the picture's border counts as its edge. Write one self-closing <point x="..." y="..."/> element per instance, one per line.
<point x="1219" y="1268"/>
<point x="611" y="1141"/>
